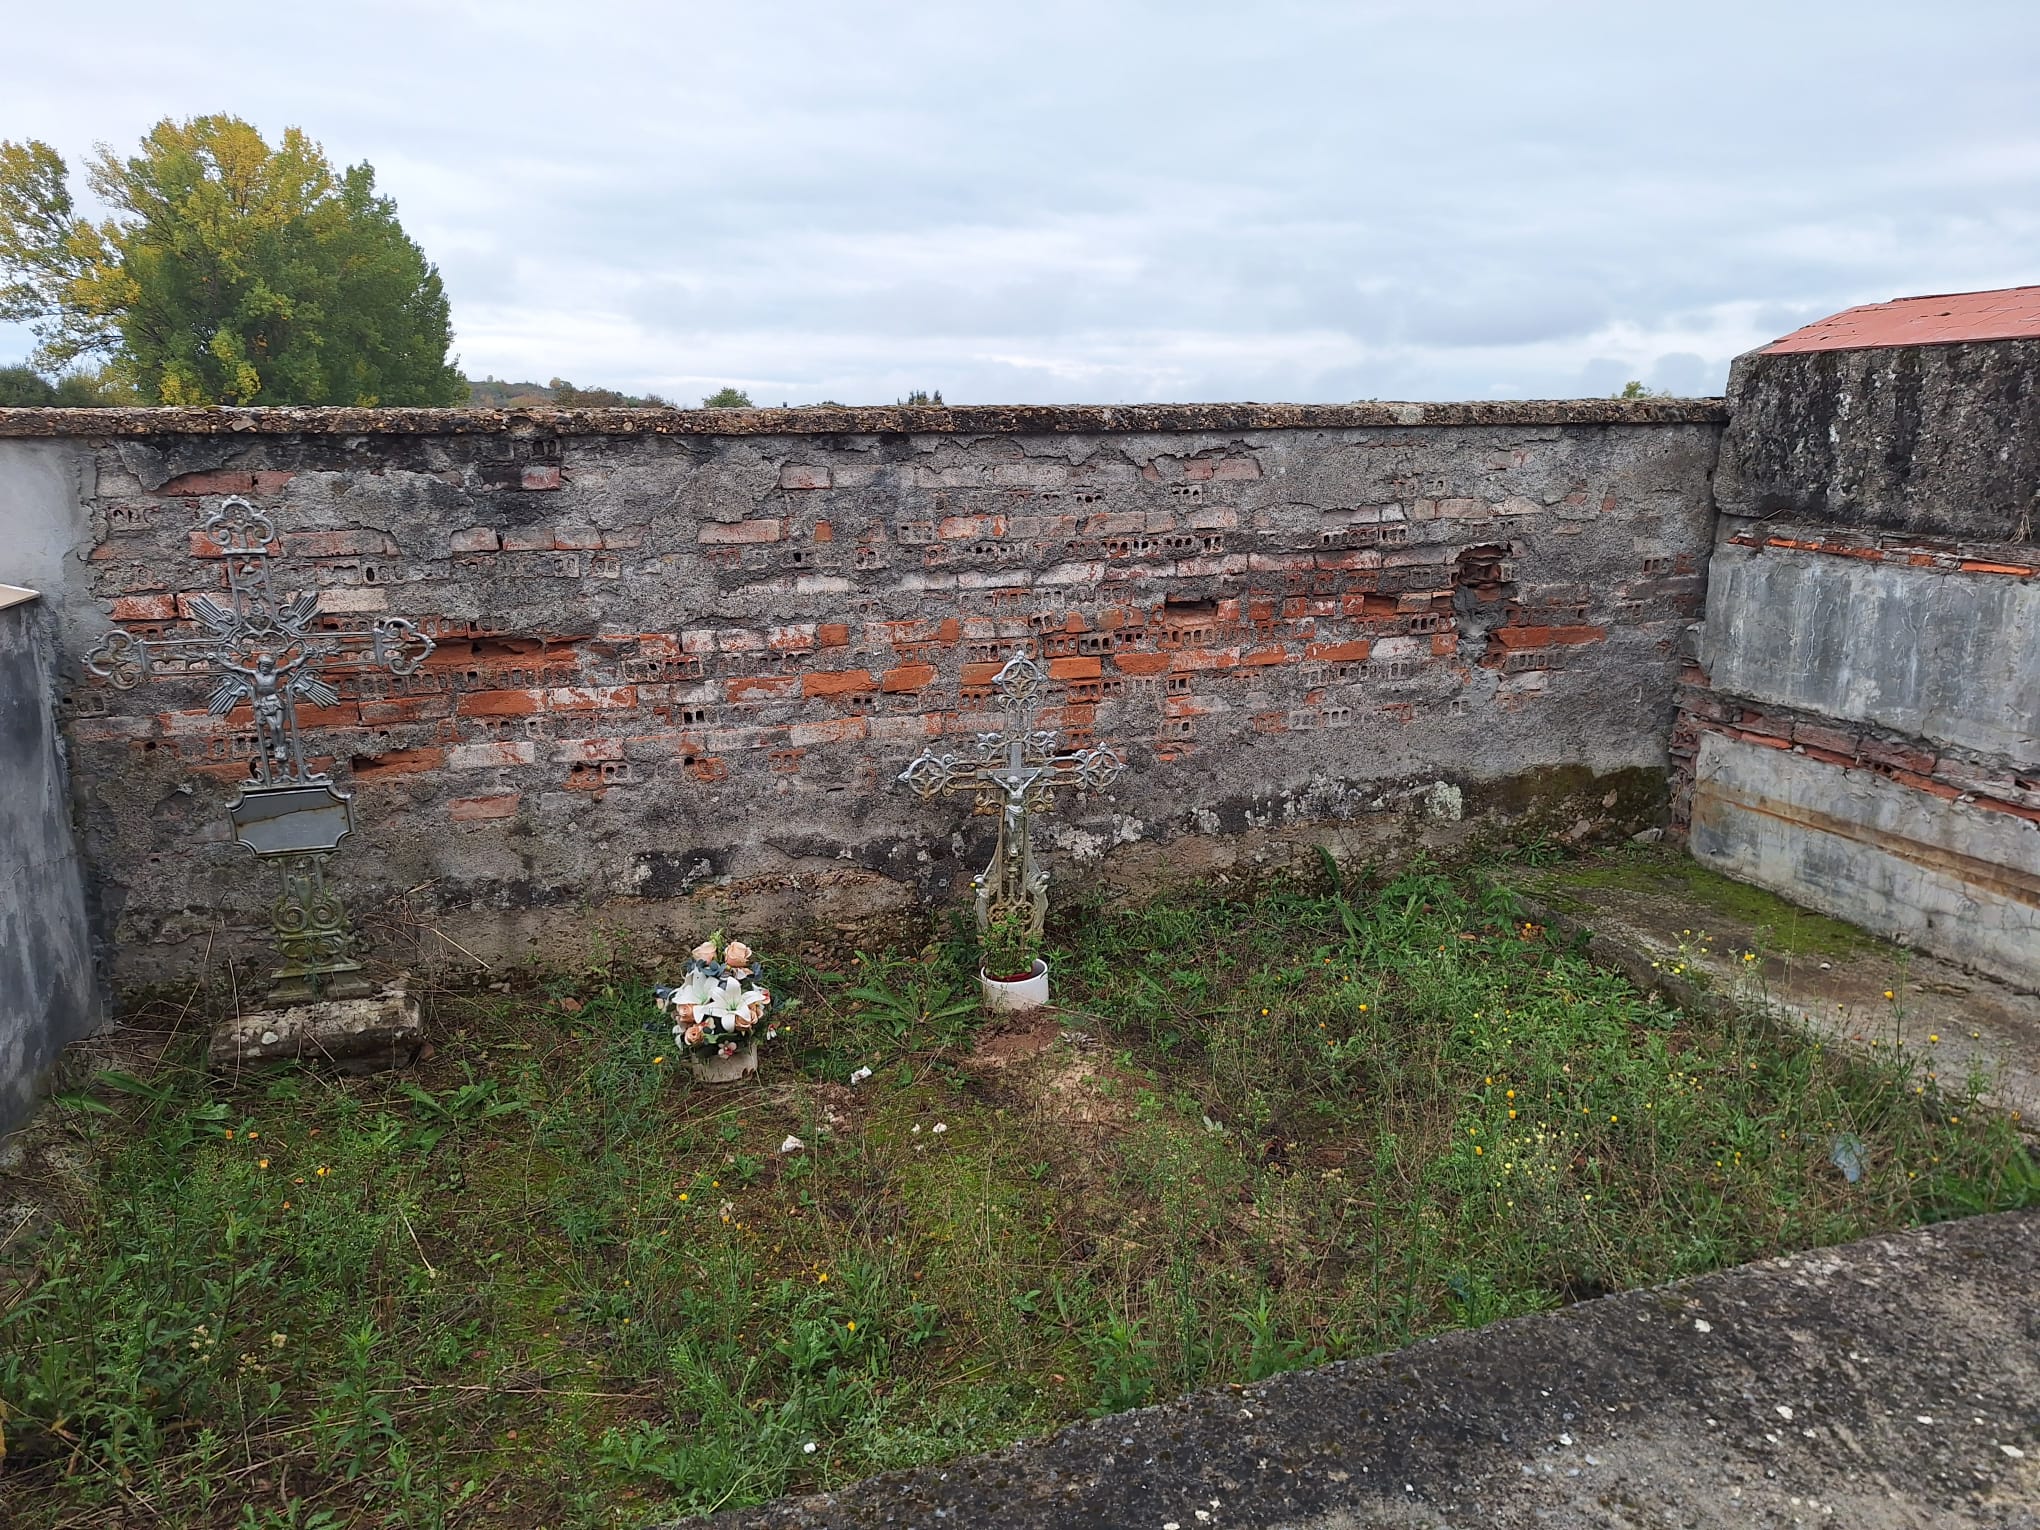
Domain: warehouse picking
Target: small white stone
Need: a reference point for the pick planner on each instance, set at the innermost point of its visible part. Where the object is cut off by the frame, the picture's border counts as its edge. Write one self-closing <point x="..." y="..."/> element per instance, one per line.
<point x="808" y="1449"/>
<point x="1784" y="1412"/>
<point x="939" y="1128"/>
<point x="2013" y="1451"/>
<point x="269" y="1038"/>
<point x="1701" y="1325"/>
<point x="793" y="1145"/>
<point x="1565" y="1439"/>
<point x="1923" y="1418"/>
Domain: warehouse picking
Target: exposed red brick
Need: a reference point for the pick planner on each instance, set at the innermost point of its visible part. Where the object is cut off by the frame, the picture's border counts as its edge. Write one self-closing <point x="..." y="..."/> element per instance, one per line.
<point x="824" y="532"/>
<point x="795" y="639"/>
<point x="740" y="533"/>
<point x="833" y="634"/>
<point x="799" y="476"/>
<point x="1076" y="668"/>
<point x="342" y="716"/>
<point x="405" y="709"/>
<point x="1825" y="756"/>
<point x="480" y="809"/>
<point x="476" y="539"/>
<point x="227" y="482"/>
<point x="1993" y="804"/>
<point x="1817" y="736"/>
<point x="500" y="703"/>
<point x="908" y="677"/>
<point x="1766" y="739"/>
<point x="398" y="762"/>
<point x="145" y="608"/>
<point x="708" y="768"/>
<point x="1978" y="566"/>
<point x="1354" y="652"/>
<point x="844" y="682"/>
<point x="1896" y="756"/>
<point x="762" y="687"/>
<point x="1927" y="784"/>
<point x="1143" y="663"/>
<point x="540" y="476"/>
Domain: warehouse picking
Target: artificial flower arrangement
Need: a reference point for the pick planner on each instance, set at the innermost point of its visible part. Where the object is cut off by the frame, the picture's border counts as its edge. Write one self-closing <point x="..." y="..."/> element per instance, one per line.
<point x="718" y="1009"/>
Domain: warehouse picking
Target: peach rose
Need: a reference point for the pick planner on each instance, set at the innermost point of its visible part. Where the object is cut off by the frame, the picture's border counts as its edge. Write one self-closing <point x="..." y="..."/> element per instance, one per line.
<point x="693" y="1036"/>
<point x="737" y="954"/>
<point x="705" y="952"/>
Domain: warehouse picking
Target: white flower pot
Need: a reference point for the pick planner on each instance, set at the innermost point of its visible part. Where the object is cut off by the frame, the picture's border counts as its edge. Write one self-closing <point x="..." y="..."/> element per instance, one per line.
<point x="711" y="1069"/>
<point x="1030" y="992"/>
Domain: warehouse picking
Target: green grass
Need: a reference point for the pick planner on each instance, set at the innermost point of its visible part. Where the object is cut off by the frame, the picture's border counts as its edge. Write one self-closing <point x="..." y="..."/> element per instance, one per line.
<point x="546" y="1280"/>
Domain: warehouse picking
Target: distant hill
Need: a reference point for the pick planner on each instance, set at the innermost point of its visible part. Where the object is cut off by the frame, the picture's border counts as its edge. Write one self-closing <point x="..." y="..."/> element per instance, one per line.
<point x="494" y="393"/>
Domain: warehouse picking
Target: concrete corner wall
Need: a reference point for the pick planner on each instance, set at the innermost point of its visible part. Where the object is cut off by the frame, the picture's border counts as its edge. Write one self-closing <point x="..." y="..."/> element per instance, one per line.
<point x="682" y="655"/>
<point x="50" y="994"/>
<point x="1863" y="731"/>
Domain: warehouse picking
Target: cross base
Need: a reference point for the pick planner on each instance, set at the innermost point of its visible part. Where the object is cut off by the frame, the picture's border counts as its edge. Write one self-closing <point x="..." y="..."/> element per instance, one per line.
<point x="315" y="937"/>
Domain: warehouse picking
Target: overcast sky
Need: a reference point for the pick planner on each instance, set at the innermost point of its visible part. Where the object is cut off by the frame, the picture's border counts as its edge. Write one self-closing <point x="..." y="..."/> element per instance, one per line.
<point x="1110" y="201"/>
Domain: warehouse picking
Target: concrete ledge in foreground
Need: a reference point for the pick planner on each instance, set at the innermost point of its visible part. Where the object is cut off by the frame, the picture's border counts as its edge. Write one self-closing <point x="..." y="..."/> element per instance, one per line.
<point x="1889" y="1383"/>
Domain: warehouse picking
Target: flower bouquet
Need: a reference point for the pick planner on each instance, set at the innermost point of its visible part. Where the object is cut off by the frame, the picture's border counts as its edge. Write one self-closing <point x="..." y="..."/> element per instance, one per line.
<point x="718" y="1011"/>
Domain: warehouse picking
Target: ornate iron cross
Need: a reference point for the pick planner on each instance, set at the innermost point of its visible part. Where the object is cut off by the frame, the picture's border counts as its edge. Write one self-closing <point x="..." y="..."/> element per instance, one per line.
<point x="263" y="650"/>
<point x="1014" y="775"/>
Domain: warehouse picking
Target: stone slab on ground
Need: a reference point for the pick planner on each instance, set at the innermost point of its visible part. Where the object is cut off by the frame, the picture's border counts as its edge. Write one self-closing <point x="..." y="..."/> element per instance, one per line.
<point x="1644" y="914"/>
<point x="1889" y="1383"/>
<point x="355" y="1035"/>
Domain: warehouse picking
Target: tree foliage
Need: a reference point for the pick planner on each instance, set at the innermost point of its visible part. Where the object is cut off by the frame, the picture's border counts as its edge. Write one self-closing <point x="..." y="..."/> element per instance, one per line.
<point x="566" y="396"/>
<point x="23" y="387"/>
<point x="727" y="398"/>
<point x="227" y="273"/>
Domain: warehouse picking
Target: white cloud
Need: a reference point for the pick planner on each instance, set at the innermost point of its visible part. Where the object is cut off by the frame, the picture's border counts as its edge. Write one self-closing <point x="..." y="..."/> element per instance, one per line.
<point x="1134" y="200"/>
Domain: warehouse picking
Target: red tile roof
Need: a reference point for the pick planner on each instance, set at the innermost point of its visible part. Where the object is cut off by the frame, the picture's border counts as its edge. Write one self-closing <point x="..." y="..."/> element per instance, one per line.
<point x="2010" y="313"/>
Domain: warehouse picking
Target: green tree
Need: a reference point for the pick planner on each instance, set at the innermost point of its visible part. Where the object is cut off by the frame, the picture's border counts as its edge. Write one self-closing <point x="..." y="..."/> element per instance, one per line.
<point x="228" y="273"/>
<point x="23" y="387"/>
<point x="1636" y="389"/>
<point x="727" y="398"/>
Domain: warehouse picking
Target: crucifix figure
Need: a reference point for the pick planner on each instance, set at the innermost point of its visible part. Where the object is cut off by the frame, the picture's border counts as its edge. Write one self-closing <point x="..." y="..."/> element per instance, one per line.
<point x="1013" y="775"/>
<point x="263" y="650"/>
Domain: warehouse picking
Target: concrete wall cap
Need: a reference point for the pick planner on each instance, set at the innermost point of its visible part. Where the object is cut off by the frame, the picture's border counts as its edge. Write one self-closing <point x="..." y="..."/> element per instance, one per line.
<point x="976" y="419"/>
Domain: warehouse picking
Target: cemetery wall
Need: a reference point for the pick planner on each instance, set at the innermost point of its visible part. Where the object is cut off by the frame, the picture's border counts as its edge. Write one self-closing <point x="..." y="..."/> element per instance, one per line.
<point x="50" y="993"/>
<point x="682" y="655"/>
<point x="1862" y="732"/>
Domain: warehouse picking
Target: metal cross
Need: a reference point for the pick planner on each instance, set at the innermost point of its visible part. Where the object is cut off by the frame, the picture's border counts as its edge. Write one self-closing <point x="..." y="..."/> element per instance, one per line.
<point x="1013" y="774"/>
<point x="261" y="649"/>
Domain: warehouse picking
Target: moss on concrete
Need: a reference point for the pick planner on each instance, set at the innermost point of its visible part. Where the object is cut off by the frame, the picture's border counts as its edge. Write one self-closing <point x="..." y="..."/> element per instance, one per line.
<point x="1785" y="928"/>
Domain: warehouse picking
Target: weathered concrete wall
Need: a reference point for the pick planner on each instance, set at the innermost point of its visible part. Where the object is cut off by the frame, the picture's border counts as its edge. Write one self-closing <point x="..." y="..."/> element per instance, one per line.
<point x="683" y="655"/>
<point x="1938" y="440"/>
<point x="1874" y="612"/>
<point x="49" y="991"/>
<point x="1963" y="879"/>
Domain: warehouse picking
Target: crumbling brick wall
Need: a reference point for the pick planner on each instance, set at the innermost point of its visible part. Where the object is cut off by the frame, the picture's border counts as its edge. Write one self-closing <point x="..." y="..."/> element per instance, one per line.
<point x="684" y="655"/>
